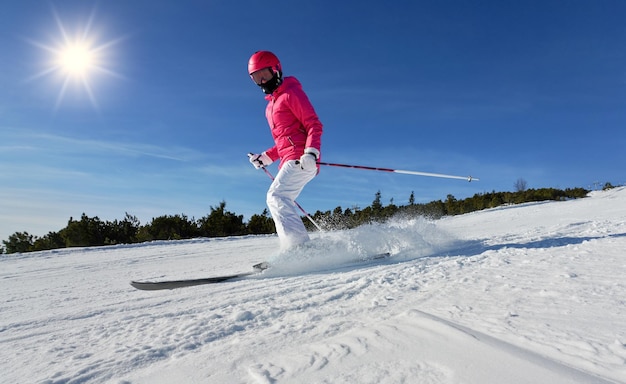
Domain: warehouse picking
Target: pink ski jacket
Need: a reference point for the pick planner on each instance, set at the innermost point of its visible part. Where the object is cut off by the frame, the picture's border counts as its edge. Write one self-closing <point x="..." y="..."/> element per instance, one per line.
<point x="293" y="122"/>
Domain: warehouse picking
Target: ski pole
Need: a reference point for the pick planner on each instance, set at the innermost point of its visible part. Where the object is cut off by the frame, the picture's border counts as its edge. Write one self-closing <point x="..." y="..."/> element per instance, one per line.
<point x="468" y="178"/>
<point x="295" y="202"/>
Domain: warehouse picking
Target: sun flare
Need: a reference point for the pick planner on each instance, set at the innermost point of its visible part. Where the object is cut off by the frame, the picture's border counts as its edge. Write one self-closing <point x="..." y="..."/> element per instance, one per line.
<point x="78" y="59"/>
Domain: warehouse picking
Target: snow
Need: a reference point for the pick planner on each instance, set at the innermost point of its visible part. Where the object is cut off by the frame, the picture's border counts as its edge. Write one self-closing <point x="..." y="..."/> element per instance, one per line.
<point x="532" y="293"/>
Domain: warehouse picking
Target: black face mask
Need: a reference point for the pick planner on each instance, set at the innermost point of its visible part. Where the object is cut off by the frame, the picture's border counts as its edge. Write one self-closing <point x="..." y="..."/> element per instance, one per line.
<point x="270" y="86"/>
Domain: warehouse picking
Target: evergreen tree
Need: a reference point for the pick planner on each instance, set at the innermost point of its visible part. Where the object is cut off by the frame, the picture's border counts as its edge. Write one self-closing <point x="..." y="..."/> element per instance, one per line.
<point x="377" y="206"/>
<point x="168" y="227"/>
<point x="261" y="224"/>
<point x="86" y="232"/>
<point x="53" y="240"/>
<point x="19" y="242"/>
<point x="451" y="205"/>
<point x="122" y="232"/>
<point x="221" y="222"/>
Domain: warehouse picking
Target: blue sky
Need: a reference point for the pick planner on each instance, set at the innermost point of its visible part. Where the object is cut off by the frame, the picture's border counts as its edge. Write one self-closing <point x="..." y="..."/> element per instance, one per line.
<point x="162" y="124"/>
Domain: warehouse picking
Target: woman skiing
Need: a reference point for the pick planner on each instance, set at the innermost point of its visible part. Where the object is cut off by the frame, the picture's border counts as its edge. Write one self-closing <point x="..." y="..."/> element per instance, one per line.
<point x="297" y="134"/>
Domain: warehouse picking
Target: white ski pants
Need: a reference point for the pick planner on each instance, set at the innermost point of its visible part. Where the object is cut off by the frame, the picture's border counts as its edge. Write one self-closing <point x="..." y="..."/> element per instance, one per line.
<point x="281" y="197"/>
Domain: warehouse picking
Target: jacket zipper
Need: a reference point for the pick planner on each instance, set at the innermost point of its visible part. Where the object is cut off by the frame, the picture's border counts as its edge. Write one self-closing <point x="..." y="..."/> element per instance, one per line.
<point x="272" y="114"/>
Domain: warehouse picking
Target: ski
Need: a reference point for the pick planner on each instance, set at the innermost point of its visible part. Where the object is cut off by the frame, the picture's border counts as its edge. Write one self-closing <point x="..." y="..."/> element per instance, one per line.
<point x="173" y="284"/>
<point x="256" y="269"/>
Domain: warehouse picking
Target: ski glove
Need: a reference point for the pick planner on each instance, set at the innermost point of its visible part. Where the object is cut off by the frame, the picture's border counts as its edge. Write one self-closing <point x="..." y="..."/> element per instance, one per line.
<point x="260" y="161"/>
<point x="308" y="161"/>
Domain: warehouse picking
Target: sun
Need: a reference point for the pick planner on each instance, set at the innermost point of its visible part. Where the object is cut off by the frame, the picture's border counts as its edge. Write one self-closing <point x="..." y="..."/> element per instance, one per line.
<point x="77" y="59"/>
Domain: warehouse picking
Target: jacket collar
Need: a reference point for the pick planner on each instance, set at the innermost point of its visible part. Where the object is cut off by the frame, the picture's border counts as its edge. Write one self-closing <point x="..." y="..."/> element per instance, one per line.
<point x="288" y="81"/>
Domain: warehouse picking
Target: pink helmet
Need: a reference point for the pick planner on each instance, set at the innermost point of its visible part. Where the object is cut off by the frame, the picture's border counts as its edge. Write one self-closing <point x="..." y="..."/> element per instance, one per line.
<point x="264" y="59"/>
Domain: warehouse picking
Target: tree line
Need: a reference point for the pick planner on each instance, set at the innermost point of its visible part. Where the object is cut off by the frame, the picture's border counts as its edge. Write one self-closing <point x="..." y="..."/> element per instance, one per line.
<point x="91" y="231"/>
<point x="377" y="212"/>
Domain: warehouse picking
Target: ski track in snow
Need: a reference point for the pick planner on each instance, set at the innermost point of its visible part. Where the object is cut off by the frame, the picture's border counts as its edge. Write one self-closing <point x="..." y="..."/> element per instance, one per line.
<point x="533" y="293"/>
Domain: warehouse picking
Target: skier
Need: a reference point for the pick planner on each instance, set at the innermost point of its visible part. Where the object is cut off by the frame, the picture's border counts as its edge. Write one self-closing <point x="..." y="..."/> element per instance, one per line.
<point x="297" y="134"/>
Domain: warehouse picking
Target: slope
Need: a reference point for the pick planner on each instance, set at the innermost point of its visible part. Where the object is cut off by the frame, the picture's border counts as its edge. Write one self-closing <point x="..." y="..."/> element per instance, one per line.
<point x="519" y="294"/>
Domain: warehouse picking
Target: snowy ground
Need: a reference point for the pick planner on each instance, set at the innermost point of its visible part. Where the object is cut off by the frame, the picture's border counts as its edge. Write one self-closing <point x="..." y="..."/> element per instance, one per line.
<point x="534" y="293"/>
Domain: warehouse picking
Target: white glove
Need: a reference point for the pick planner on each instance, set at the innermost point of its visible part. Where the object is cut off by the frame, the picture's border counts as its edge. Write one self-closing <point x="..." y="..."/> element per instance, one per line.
<point x="308" y="161"/>
<point x="259" y="161"/>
